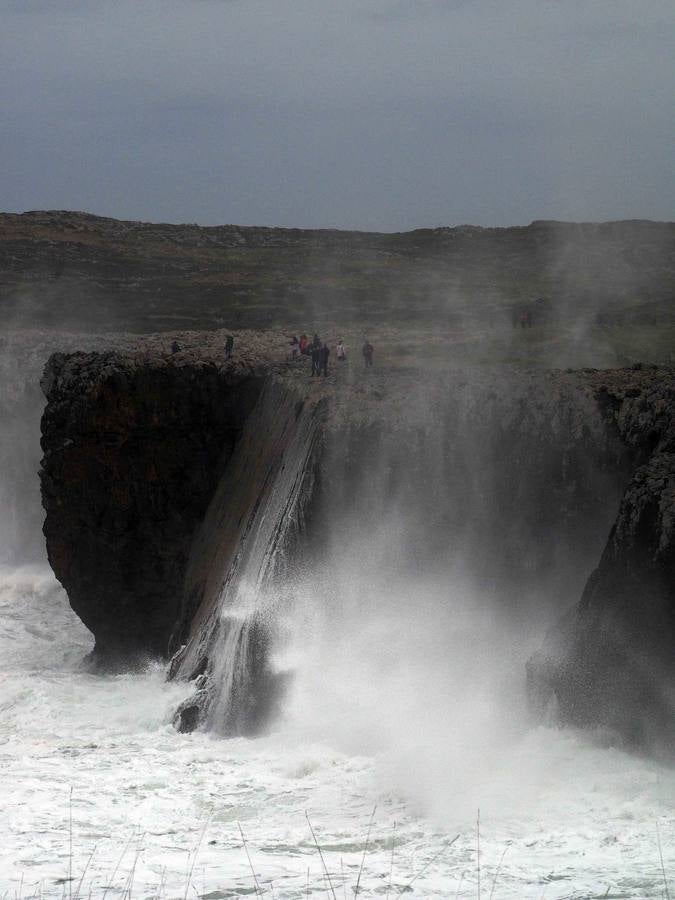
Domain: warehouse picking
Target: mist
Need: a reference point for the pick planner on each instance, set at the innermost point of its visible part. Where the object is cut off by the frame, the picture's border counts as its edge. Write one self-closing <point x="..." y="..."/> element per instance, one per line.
<point x="438" y="558"/>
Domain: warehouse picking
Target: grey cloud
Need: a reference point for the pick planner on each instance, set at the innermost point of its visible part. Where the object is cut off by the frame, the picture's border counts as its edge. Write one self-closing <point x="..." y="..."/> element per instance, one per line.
<point x="370" y="113"/>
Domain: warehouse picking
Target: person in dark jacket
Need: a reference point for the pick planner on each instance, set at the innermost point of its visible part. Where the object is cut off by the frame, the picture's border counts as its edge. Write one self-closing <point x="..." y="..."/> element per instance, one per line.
<point x="229" y="346"/>
<point x="316" y="358"/>
<point x="175" y="347"/>
<point x="324" y="353"/>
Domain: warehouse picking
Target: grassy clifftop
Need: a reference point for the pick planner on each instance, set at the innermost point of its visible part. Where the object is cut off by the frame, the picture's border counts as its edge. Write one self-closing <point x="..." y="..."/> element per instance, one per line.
<point x="74" y="270"/>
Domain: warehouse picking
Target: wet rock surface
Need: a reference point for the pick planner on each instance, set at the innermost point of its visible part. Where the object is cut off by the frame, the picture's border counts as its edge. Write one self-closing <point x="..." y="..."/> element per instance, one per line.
<point x="161" y="472"/>
<point x="609" y="663"/>
<point x="132" y="453"/>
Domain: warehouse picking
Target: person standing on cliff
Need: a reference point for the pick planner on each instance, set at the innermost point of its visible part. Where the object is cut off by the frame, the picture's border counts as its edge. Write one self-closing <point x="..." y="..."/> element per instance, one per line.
<point x="316" y="358"/>
<point x="324" y="353"/>
<point x="368" y="351"/>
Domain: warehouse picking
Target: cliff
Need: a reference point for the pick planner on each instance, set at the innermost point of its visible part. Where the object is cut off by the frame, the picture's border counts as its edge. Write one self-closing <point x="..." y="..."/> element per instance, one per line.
<point x="132" y="454"/>
<point x="181" y="491"/>
<point x="609" y="662"/>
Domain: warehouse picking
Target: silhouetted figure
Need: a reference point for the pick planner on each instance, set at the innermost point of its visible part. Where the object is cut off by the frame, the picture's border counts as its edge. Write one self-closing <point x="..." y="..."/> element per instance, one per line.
<point x="340" y="351"/>
<point x="324" y="353"/>
<point x="229" y="346"/>
<point x="316" y="359"/>
<point x="368" y="351"/>
<point x="317" y="341"/>
<point x="175" y="347"/>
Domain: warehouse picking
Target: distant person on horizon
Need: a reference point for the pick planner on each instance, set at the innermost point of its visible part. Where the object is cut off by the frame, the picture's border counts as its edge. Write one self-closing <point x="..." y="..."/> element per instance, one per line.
<point x="324" y="353"/>
<point x="175" y="347"/>
<point x="316" y="358"/>
<point x="340" y="351"/>
<point x="368" y="351"/>
<point x="229" y="346"/>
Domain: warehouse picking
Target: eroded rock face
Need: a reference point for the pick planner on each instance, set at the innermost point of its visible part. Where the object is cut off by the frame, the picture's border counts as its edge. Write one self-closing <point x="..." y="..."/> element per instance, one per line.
<point x="133" y="450"/>
<point x="169" y="483"/>
<point x="609" y="663"/>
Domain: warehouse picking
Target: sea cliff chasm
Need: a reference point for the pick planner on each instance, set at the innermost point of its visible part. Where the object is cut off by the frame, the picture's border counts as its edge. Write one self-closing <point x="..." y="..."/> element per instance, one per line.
<point x="184" y="495"/>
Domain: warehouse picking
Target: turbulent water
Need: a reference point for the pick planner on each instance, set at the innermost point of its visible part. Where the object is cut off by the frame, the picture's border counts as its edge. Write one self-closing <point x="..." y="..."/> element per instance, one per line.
<point x="98" y="787"/>
<point x="405" y="717"/>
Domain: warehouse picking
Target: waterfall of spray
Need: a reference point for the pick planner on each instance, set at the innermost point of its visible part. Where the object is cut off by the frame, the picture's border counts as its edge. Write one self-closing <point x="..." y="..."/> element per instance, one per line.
<point x="21" y="403"/>
<point x="243" y="682"/>
<point x="442" y="551"/>
<point x="238" y="558"/>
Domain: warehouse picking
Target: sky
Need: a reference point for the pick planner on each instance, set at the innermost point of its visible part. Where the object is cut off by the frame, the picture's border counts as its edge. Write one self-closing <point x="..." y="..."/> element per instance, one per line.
<point x="373" y="114"/>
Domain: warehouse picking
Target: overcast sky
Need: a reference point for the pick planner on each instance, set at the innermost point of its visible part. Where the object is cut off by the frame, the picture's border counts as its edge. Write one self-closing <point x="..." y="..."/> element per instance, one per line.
<point x="375" y="114"/>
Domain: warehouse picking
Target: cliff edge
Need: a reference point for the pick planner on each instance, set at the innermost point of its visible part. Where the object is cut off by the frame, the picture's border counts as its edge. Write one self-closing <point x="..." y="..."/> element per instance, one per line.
<point x="173" y="485"/>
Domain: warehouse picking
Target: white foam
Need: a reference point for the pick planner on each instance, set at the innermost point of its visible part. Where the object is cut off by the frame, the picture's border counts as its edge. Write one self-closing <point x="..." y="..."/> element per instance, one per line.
<point x="576" y="818"/>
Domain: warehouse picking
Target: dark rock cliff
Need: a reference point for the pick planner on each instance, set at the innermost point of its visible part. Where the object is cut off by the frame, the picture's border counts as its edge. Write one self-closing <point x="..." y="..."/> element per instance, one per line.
<point x="175" y="487"/>
<point x="610" y="662"/>
<point x="133" y="450"/>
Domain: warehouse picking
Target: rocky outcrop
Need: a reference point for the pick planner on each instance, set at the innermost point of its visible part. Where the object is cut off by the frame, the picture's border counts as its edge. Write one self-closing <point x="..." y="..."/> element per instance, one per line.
<point x="176" y="486"/>
<point x="133" y="451"/>
<point x="609" y="663"/>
